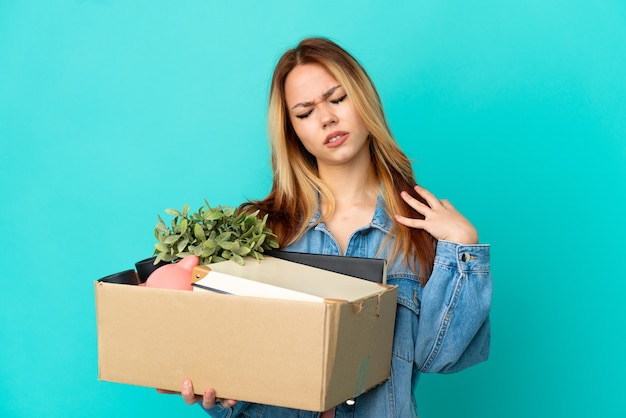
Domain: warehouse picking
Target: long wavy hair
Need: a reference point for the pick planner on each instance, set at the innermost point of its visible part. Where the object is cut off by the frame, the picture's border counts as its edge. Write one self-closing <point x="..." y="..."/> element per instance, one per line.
<point x="296" y="187"/>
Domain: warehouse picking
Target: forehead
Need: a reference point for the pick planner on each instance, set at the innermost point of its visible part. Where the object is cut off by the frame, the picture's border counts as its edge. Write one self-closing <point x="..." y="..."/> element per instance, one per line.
<point x="308" y="82"/>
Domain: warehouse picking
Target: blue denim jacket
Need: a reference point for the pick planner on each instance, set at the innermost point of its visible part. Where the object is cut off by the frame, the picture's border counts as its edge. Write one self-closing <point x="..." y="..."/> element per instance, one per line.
<point x="442" y="327"/>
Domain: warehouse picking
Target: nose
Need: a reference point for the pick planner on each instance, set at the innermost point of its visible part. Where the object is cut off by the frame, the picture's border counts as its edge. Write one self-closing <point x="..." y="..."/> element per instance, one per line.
<point x="327" y="116"/>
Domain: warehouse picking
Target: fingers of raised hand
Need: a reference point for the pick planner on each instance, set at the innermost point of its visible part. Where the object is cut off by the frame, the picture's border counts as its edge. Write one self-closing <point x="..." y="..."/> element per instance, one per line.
<point x="414" y="203"/>
<point x="441" y="219"/>
<point x="410" y="222"/>
<point x="428" y="196"/>
<point x="447" y="205"/>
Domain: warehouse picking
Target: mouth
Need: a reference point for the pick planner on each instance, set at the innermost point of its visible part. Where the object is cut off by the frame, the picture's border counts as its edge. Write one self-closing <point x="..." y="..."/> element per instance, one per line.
<point x="335" y="137"/>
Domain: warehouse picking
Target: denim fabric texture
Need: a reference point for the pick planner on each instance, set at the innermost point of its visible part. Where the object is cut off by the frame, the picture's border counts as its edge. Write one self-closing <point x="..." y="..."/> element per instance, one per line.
<point x="442" y="327"/>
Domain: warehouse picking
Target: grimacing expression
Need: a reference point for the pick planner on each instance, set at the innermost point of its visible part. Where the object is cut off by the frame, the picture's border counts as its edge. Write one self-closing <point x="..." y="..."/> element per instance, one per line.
<point x="323" y="116"/>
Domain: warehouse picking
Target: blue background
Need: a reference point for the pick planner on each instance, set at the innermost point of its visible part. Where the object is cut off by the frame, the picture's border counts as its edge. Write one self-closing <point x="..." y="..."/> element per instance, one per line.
<point x="112" y="111"/>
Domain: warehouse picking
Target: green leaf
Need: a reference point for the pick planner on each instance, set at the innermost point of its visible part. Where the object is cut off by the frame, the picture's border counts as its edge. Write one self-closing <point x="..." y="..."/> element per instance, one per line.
<point x="260" y="242"/>
<point x="213" y="216"/>
<point x="210" y="243"/>
<point x="198" y="231"/>
<point x="227" y="245"/>
<point x="168" y="257"/>
<point x="243" y="251"/>
<point x="248" y="231"/>
<point x="182" y="226"/>
<point x="173" y="212"/>
<point x="238" y="259"/>
<point x="182" y="244"/>
<point x="241" y="218"/>
<point x="171" y="239"/>
<point x="258" y="256"/>
<point x="161" y="226"/>
<point x="223" y="237"/>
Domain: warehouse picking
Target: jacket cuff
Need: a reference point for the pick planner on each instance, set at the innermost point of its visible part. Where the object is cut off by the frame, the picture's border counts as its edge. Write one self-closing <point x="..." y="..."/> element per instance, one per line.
<point x="463" y="257"/>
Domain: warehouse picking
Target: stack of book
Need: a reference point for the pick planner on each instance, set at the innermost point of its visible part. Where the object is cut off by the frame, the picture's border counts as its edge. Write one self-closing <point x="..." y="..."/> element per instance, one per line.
<point x="264" y="279"/>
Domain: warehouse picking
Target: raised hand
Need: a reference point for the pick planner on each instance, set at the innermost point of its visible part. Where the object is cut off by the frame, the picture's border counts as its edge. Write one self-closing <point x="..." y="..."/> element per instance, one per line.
<point x="441" y="219"/>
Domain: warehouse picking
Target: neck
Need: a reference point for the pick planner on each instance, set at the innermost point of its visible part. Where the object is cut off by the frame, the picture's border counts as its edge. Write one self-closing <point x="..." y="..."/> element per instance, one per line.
<point x="350" y="183"/>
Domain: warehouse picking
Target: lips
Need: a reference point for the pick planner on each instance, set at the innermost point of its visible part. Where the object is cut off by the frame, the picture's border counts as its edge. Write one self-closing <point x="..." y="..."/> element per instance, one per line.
<point x="336" y="138"/>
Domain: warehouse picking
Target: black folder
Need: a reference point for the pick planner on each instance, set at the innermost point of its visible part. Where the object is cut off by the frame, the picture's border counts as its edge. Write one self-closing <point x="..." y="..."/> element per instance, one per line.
<point x="372" y="269"/>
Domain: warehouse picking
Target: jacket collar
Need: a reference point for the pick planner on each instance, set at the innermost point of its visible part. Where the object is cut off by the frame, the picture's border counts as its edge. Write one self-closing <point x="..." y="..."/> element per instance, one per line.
<point x="380" y="220"/>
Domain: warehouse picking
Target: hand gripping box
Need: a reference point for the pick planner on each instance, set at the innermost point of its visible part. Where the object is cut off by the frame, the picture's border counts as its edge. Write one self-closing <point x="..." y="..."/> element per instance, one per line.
<point x="304" y="355"/>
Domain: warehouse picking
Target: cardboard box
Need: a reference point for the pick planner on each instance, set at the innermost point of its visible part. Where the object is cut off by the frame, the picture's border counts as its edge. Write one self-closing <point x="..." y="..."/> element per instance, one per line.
<point x="304" y="355"/>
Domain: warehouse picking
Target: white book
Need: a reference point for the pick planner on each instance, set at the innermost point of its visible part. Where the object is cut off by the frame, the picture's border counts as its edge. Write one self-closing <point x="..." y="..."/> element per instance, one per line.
<point x="227" y="283"/>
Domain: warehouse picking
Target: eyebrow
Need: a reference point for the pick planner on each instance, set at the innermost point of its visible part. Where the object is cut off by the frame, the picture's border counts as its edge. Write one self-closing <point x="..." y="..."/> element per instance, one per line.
<point x="325" y="96"/>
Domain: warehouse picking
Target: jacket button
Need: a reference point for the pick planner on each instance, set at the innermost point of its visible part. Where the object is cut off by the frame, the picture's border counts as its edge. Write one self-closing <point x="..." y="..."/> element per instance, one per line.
<point x="350" y="402"/>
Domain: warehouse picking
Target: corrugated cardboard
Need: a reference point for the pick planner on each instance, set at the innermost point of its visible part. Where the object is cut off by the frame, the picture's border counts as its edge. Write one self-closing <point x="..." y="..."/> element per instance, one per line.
<point x="305" y="355"/>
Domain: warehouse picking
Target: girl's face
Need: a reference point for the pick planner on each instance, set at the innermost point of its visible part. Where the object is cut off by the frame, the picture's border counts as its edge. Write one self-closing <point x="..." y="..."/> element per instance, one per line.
<point x="324" y="117"/>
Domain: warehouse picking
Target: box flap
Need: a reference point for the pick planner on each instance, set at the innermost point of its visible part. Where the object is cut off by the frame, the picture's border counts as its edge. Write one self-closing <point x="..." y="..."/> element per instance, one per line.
<point x="363" y="343"/>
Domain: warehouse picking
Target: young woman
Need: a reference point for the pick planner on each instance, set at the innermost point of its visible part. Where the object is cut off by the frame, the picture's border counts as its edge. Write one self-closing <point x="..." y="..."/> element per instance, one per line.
<point x="343" y="186"/>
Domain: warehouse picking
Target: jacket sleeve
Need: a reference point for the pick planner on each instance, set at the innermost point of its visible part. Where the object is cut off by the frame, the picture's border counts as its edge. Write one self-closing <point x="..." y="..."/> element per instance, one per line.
<point x="454" y="330"/>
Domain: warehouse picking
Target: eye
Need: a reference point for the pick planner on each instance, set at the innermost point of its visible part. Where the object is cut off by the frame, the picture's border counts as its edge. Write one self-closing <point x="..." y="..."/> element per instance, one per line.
<point x="304" y="115"/>
<point x="339" y="100"/>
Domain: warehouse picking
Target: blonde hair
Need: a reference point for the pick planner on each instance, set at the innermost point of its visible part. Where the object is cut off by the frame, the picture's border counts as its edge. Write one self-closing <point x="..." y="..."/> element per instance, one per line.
<point x="296" y="188"/>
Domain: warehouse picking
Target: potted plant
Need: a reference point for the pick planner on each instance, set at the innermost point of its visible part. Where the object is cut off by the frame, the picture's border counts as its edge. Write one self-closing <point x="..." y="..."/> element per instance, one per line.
<point x="213" y="235"/>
